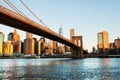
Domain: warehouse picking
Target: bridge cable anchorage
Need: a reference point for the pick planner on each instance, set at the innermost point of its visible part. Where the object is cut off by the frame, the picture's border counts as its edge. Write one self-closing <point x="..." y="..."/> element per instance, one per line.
<point x="33" y="13"/>
<point x="14" y="7"/>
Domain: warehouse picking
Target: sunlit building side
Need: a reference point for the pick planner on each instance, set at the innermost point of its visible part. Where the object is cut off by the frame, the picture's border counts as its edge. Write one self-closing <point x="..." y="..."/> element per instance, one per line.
<point x="29" y="44"/>
<point x="43" y="41"/>
<point x="39" y="47"/>
<point x="54" y="46"/>
<point x="7" y="49"/>
<point x="103" y="42"/>
<point x="15" y="40"/>
<point x="72" y="33"/>
<point x="1" y="43"/>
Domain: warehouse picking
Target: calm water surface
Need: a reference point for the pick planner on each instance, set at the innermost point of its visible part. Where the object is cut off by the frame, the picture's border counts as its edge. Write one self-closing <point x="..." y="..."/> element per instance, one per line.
<point x="60" y="69"/>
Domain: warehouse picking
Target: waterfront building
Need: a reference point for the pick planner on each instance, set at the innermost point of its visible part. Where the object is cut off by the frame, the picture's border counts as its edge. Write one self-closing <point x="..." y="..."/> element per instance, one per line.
<point x="29" y="44"/>
<point x="67" y="49"/>
<point x="7" y="49"/>
<point x="35" y="46"/>
<point x="60" y="46"/>
<point x="103" y="42"/>
<point x="49" y="48"/>
<point x="43" y="44"/>
<point x="93" y="50"/>
<point x="54" y="46"/>
<point x="117" y="43"/>
<point x="15" y="39"/>
<point x="111" y="45"/>
<point x="1" y="43"/>
<point x="17" y="47"/>
<point x="60" y="49"/>
<point x="39" y="47"/>
<point x="72" y="33"/>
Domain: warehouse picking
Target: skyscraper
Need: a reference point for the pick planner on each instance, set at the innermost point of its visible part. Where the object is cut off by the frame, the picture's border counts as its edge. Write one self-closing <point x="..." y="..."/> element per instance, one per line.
<point x="1" y="43"/>
<point x="15" y="35"/>
<point x="7" y="48"/>
<point x="10" y="36"/>
<point x="72" y="33"/>
<point x="29" y="44"/>
<point x="103" y="42"/>
<point x="61" y="31"/>
<point x="29" y="35"/>
<point x="15" y="39"/>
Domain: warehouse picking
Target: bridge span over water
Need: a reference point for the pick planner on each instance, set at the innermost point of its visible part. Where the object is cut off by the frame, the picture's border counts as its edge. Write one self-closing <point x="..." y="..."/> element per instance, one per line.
<point x="10" y="18"/>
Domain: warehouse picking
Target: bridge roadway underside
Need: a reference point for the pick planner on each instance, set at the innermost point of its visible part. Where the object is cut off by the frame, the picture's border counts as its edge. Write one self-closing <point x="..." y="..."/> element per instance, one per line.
<point x="18" y="21"/>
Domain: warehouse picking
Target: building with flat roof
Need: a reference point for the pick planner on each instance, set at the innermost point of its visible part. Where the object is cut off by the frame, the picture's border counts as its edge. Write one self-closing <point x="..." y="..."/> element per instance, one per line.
<point x="103" y="43"/>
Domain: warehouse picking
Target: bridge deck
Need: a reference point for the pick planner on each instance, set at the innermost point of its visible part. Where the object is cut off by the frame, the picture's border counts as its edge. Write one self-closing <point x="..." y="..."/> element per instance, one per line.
<point x="10" y="18"/>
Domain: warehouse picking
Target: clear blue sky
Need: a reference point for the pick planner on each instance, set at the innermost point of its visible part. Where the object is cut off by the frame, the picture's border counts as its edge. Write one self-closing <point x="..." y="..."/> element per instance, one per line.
<point x="87" y="17"/>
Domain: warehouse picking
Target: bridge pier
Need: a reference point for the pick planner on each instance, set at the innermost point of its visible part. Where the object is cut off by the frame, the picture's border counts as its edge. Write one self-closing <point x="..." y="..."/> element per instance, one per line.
<point x="77" y="52"/>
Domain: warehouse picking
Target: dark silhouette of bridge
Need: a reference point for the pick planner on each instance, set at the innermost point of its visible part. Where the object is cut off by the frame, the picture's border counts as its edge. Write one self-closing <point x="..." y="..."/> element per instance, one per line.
<point x="10" y="18"/>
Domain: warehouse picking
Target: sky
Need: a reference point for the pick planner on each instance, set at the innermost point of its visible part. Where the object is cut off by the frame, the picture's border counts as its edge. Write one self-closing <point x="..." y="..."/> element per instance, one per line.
<point x="87" y="17"/>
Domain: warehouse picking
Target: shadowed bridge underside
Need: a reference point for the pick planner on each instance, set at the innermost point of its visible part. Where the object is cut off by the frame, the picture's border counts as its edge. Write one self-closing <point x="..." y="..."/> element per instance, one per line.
<point x="10" y="18"/>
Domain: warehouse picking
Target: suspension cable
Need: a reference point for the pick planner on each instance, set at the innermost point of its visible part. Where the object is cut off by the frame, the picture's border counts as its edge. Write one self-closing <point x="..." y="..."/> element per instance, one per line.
<point x="32" y="13"/>
<point x="14" y="7"/>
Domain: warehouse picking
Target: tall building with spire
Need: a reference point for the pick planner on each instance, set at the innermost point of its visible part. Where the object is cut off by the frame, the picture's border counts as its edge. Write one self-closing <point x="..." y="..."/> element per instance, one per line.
<point x="15" y="35"/>
<point x="15" y="41"/>
<point x="60" y="46"/>
<point x="61" y="31"/>
<point x="1" y="43"/>
<point x="29" y="44"/>
<point x="103" y="42"/>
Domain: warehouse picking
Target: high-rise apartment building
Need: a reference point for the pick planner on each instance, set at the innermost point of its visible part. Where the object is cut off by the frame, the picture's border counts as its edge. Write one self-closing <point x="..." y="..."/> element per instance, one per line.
<point x="1" y="43"/>
<point x="72" y="33"/>
<point x="103" y="42"/>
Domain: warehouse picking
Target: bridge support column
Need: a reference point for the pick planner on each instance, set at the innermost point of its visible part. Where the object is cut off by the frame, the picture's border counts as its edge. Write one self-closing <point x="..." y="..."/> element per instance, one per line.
<point x="77" y="52"/>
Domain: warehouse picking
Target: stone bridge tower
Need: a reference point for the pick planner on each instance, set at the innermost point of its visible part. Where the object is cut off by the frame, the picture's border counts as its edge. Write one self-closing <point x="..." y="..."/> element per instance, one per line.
<point x="77" y="52"/>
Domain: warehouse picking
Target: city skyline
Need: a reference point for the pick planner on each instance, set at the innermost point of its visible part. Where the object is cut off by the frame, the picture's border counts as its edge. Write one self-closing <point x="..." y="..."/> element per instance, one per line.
<point x="86" y="17"/>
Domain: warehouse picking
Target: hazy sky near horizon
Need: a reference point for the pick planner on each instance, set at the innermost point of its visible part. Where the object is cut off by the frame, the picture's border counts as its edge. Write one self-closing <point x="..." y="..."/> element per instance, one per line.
<point x="87" y="17"/>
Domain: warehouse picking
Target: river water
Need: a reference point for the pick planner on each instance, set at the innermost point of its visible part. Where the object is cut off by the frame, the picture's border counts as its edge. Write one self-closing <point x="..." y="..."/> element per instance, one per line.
<point x="60" y="69"/>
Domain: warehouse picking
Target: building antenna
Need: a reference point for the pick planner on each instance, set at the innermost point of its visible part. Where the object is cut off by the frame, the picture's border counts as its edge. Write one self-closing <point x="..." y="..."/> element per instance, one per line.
<point x="32" y="13"/>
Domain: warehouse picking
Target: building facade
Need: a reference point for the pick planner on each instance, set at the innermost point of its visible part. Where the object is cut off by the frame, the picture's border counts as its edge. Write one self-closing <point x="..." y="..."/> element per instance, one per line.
<point x="103" y="43"/>
<point x="72" y="33"/>
<point x="29" y="44"/>
<point x="7" y="48"/>
<point x="1" y="43"/>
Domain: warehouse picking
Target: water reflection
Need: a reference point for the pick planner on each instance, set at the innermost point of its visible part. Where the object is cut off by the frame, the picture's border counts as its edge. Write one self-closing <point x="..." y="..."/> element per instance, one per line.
<point x="60" y="69"/>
